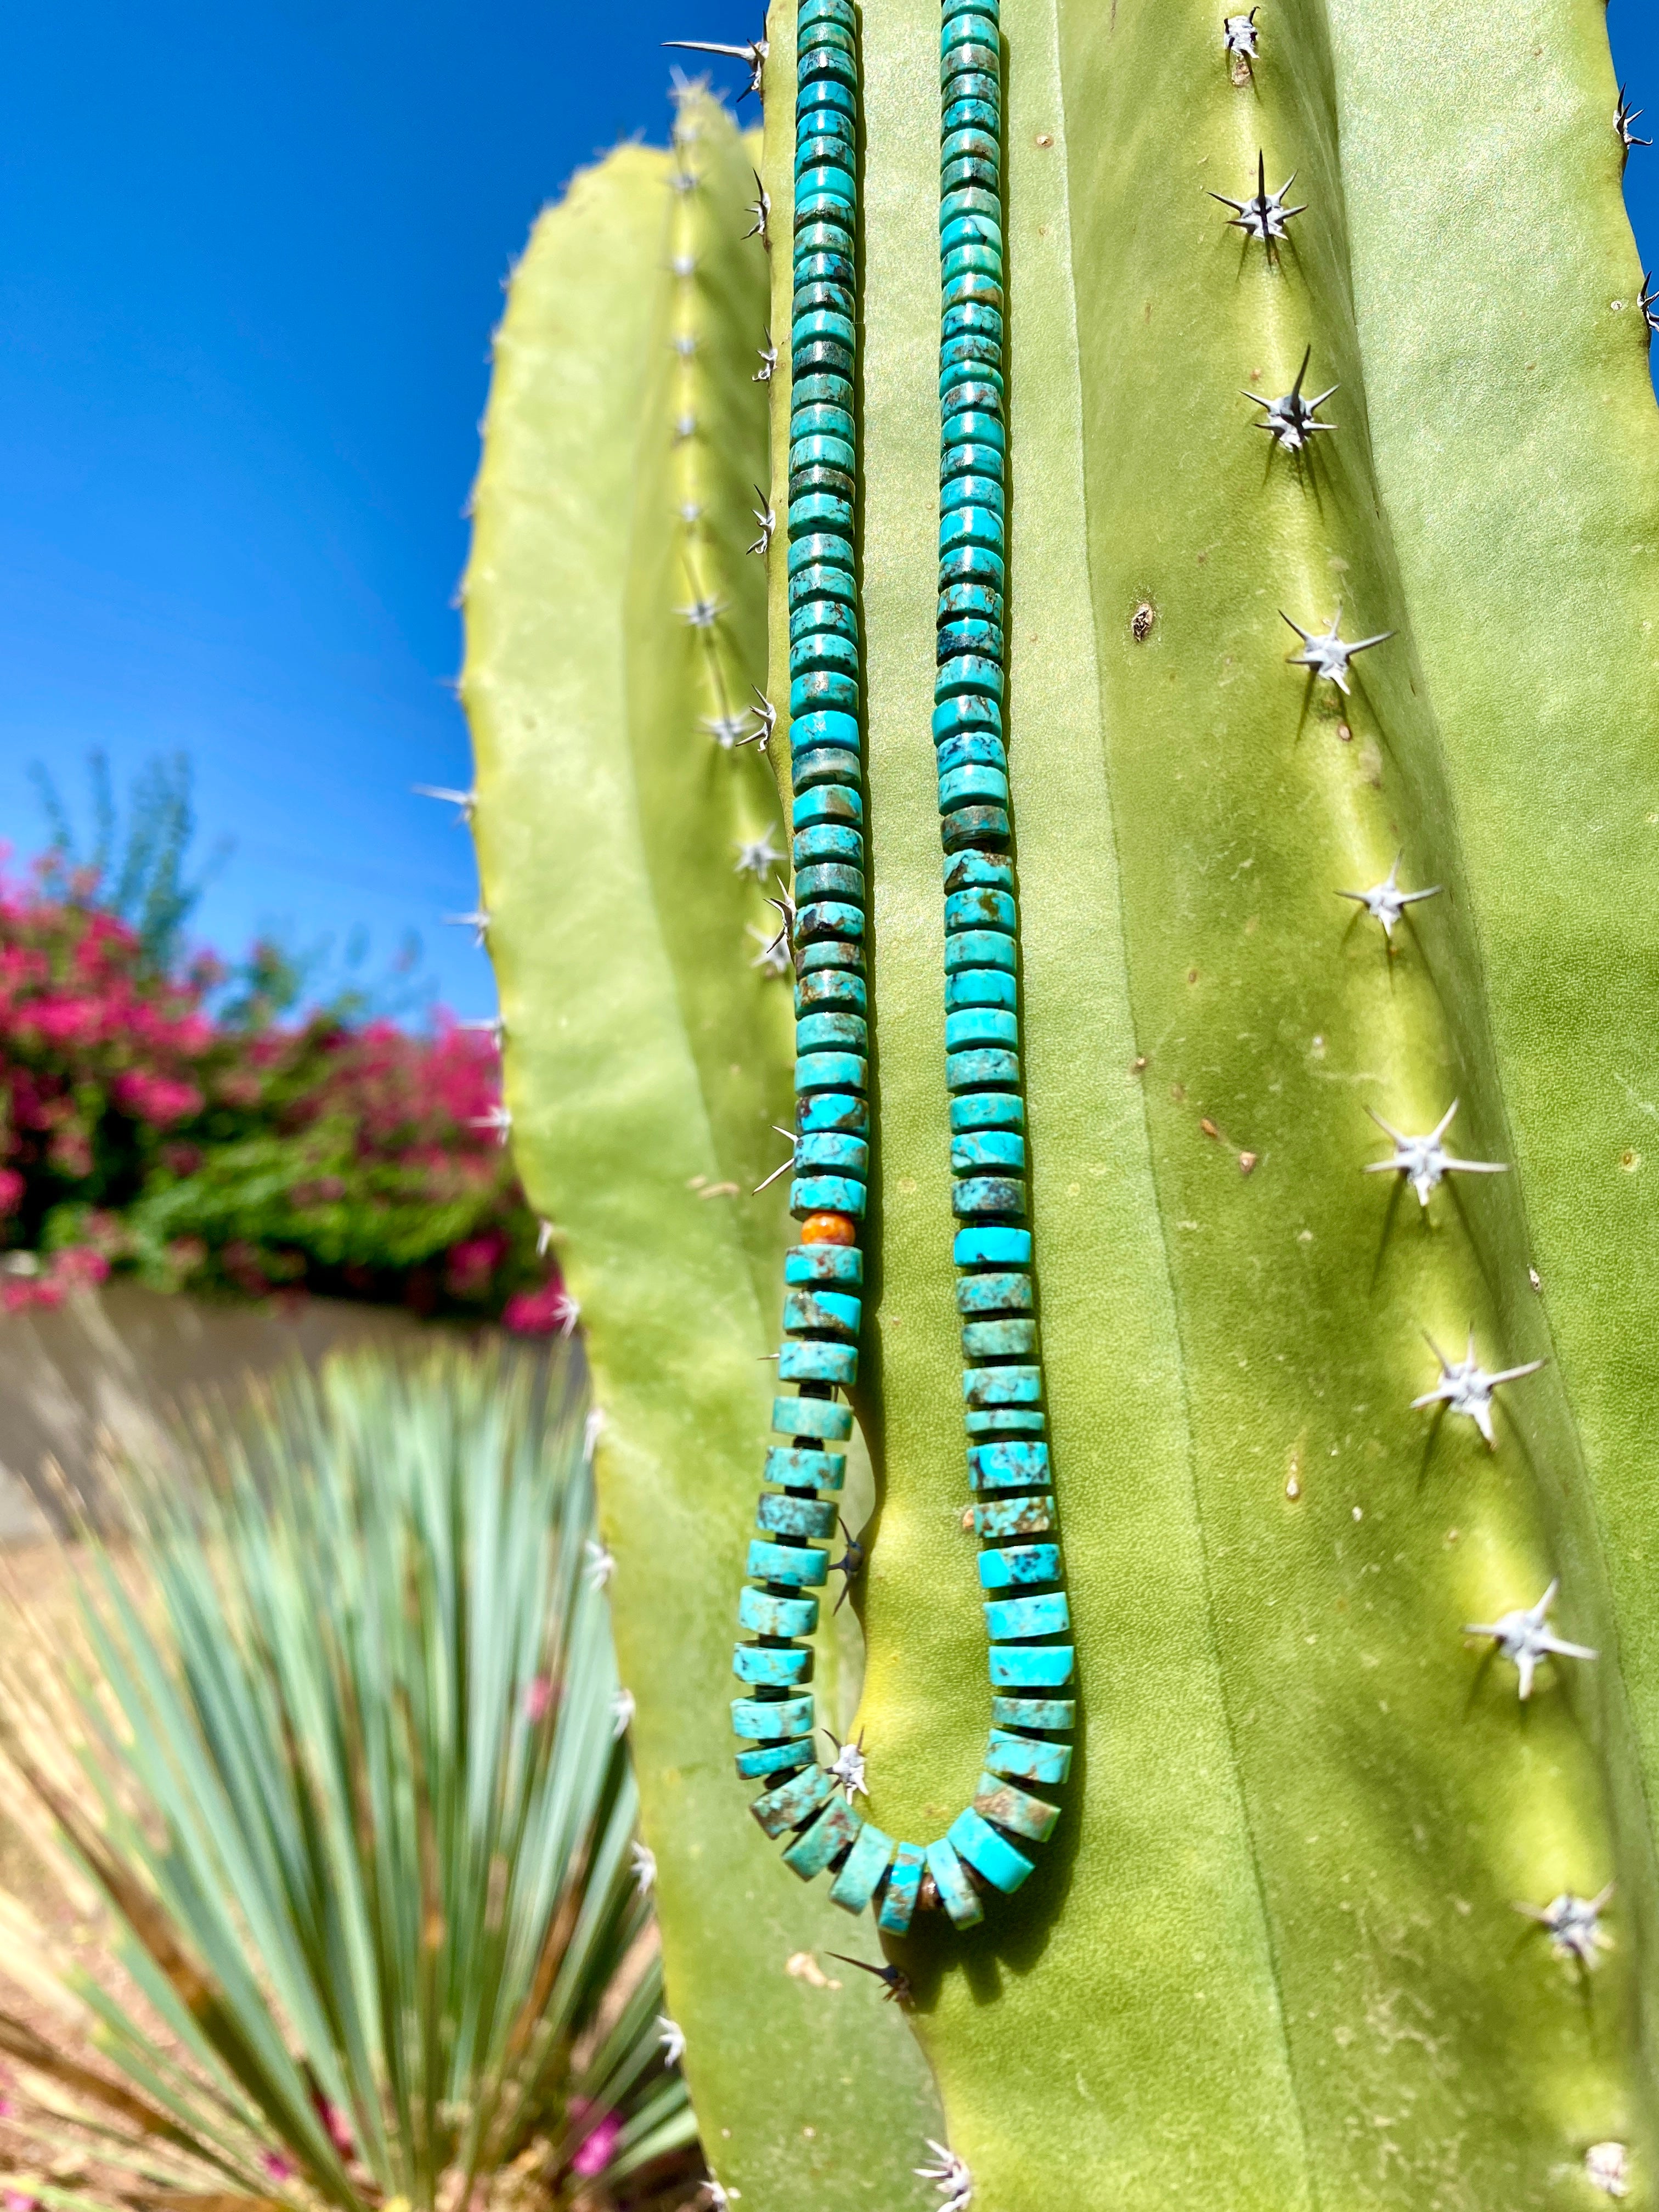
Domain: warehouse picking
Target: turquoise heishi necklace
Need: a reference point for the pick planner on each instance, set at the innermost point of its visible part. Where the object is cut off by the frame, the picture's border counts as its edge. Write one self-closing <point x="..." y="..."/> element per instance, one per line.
<point x="807" y="1801"/>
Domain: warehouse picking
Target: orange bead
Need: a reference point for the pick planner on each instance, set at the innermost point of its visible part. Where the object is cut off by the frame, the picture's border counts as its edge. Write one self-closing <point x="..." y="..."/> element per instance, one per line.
<point x="829" y="1229"/>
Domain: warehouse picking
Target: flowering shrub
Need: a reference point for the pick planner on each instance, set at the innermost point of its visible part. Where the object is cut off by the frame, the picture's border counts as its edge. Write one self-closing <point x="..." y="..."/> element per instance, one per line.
<point x="142" y="1134"/>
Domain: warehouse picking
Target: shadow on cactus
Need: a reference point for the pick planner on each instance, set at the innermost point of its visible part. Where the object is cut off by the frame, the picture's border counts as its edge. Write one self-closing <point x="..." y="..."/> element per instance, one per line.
<point x="337" y="1767"/>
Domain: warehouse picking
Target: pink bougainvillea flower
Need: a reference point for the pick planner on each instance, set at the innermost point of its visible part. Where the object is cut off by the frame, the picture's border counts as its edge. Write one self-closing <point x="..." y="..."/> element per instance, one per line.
<point x="160" y="1100"/>
<point x="545" y="1312"/>
<point x="16" y="2200"/>
<point x="538" y="1695"/>
<point x="597" y="2149"/>
<point x="12" y="1188"/>
<point x="279" y="2168"/>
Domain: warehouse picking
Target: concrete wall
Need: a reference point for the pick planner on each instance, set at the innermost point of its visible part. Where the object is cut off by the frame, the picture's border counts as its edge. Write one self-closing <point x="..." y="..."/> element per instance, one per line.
<point x="115" y="1361"/>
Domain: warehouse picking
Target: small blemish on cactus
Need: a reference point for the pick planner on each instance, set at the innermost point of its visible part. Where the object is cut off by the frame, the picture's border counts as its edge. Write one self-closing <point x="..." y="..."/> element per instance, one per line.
<point x="1525" y="1639"/>
<point x="1141" y="623"/>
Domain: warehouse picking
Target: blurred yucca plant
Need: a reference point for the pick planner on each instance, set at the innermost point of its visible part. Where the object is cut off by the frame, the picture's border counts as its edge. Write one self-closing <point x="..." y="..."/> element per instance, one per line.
<point x="332" y="1734"/>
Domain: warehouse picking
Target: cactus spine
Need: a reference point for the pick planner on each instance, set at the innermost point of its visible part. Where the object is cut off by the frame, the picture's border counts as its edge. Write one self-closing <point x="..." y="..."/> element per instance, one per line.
<point x="1273" y="1956"/>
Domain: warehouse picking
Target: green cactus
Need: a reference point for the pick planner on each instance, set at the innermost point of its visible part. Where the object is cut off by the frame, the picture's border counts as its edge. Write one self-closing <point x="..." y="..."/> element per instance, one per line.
<point x="1269" y="1959"/>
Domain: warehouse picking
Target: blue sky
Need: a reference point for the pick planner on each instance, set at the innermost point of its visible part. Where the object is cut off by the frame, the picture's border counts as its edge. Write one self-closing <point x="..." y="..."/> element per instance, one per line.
<point x="252" y="258"/>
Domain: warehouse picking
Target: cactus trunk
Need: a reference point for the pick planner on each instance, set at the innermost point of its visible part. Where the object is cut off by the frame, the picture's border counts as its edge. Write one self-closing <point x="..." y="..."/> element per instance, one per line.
<point x="1271" y="1955"/>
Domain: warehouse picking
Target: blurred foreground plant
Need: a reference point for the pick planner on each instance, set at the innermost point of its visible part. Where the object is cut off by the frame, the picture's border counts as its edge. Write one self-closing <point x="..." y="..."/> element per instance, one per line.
<point x="339" y="1750"/>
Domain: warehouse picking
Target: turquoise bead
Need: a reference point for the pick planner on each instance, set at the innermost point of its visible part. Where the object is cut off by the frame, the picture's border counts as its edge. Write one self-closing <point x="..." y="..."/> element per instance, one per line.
<point x="827" y="62"/>
<point x="985" y="462"/>
<point x="956" y="1893"/>
<point x="1011" y="1465"/>
<point x="837" y="1154"/>
<point x="969" y="426"/>
<point x="980" y="987"/>
<point x="824" y="1313"/>
<point x="998" y="1339"/>
<point x="988" y="1294"/>
<point x="973" y="25"/>
<point x="1010" y="1807"/>
<point x="898" y="1902"/>
<point x="826" y="803"/>
<point x="967" y="526"/>
<point x="833" y="1110"/>
<point x="956" y="492"/>
<point x="985" y="1109"/>
<point x="793" y="1515"/>
<point x="973" y="563"/>
<point x="771" y="1720"/>
<point x="972" y="107"/>
<point x="970" y="229"/>
<point x="1019" y="1564"/>
<point x="826" y="149"/>
<point x="967" y="828"/>
<point x="1052" y="1714"/>
<point x="820" y="323"/>
<point x="775" y="1757"/>
<point x="823" y="1362"/>
<point x="970" y="260"/>
<point x="981" y="57"/>
<point x="844" y="13"/>
<point x="829" y="987"/>
<point x="970" y="200"/>
<point x="989" y="1854"/>
<point x="764" y="1615"/>
<point x="981" y="948"/>
<point x="827" y="549"/>
<point x="798" y="1566"/>
<point x="812" y="1417"/>
<point x="1000" y="1517"/>
<point x="1002" y="1421"/>
<point x="831" y="1071"/>
<point x="824" y="764"/>
<point x="860" y="1875"/>
<point x="793" y="1802"/>
<point x="981" y="1025"/>
<point x="979" y="872"/>
<point x="974" y="786"/>
<point x="834" y="1827"/>
<point x="1021" y="1759"/>
<point x="970" y="599"/>
<point x="826" y="649"/>
<point x="968" y="146"/>
<point x="1030" y="1666"/>
<point x="818" y="512"/>
<point x="822" y="725"/>
<point x="965" y="715"/>
<point x="988" y="1148"/>
<point x="968" y="671"/>
<point x="983" y="290"/>
<point x="979" y="1196"/>
<point x="981" y="1071"/>
<point x="822" y="452"/>
<point x="815" y="694"/>
<point x="830" y="879"/>
<point x="954" y="175"/>
<point x="823" y="422"/>
<point x="996" y="1386"/>
<point x="776" y="1666"/>
<point x="827" y="1194"/>
<point x="829" y="918"/>
<point x="842" y="1032"/>
<point x="824" y="1263"/>
<point x="803" y="1470"/>
<point x="980" y="907"/>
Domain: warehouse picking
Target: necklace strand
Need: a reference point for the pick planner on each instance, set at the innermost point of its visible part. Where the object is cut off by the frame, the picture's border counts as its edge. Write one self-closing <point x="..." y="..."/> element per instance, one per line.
<point x="1008" y="1460"/>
